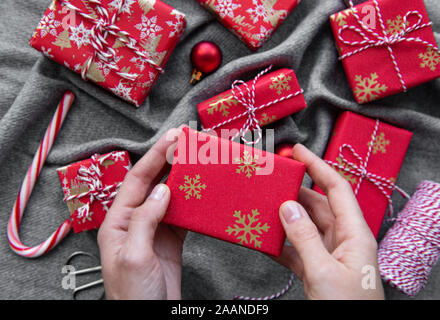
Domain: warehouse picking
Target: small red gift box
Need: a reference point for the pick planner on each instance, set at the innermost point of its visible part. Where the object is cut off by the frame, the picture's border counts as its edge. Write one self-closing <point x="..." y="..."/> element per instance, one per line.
<point x="122" y="45"/>
<point x="253" y="21"/>
<point x="231" y="191"/>
<point x="397" y="36"/>
<point x="277" y="95"/>
<point x="368" y="154"/>
<point x="90" y="186"/>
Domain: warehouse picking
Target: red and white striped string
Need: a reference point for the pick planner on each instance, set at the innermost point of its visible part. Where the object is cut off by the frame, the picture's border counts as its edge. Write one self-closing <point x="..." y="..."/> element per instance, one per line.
<point x="29" y="183"/>
<point x="360" y="170"/>
<point x="104" y="25"/>
<point x="272" y="296"/>
<point x="384" y="39"/>
<point x="91" y="176"/>
<point x="247" y="99"/>
<point x="411" y="247"/>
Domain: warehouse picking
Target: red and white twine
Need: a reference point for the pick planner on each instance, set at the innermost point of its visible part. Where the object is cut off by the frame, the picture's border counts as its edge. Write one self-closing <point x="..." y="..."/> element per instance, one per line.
<point x="360" y="170"/>
<point x="377" y="40"/>
<point x="247" y="99"/>
<point x="104" y="25"/>
<point x="272" y="296"/>
<point x="411" y="247"/>
<point x="91" y="176"/>
<point x="28" y="185"/>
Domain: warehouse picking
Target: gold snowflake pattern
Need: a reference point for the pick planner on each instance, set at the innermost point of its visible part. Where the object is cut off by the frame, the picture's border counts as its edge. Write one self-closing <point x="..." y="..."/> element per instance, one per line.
<point x="343" y="173"/>
<point x="430" y="59"/>
<point x="275" y="16"/>
<point x="192" y="187"/>
<point x="368" y="89"/>
<point x="76" y="187"/>
<point x="107" y="162"/>
<point x="150" y="45"/>
<point x="380" y="143"/>
<point x="209" y="4"/>
<point x="265" y="119"/>
<point x="74" y="205"/>
<point x="222" y="104"/>
<point x="247" y="164"/>
<point x="395" y="26"/>
<point x="339" y="49"/>
<point x="248" y="231"/>
<point x="146" y="5"/>
<point x="280" y="83"/>
<point x="341" y="17"/>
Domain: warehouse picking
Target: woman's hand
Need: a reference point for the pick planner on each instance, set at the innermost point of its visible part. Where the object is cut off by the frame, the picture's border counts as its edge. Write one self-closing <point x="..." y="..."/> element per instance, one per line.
<point x="334" y="252"/>
<point x="142" y="258"/>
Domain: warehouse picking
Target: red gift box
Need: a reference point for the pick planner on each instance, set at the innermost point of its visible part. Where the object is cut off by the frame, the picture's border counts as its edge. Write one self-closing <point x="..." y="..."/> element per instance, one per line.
<point x="122" y="50"/>
<point x="277" y="95"/>
<point x="253" y="21"/>
<point x="90" y="186"/>
<point x="399" y="40"/>
<point x="231" y="191"/>
<point x="368" y="154"/>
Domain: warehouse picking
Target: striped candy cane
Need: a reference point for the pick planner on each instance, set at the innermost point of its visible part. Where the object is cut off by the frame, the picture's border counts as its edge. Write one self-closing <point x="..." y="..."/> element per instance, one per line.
<point x="29" y="183"/>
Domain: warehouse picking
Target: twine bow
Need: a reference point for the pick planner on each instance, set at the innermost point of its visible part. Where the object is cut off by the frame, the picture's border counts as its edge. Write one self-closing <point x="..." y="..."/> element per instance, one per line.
<point x="104" y="24"/>
<point x="245" y="94"/>
<point x="359" y="169"/>
<point x="97" y="191"/>
<point x="377" y="40"/>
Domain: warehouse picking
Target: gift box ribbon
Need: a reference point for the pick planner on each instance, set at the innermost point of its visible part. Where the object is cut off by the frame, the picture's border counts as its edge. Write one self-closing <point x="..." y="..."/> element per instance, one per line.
<point x="92" y="177"/>
<point x="360" y="170"/>
<point x="104" y="24"/>
<point x="384" y="40"/>
<point x="246" y="96"/>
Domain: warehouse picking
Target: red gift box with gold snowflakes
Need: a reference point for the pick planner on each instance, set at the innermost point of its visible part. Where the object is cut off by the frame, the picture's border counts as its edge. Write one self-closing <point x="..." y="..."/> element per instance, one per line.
<point x="231" y="191"/>
<point x="253" y="21"/>
<point x="386" y="47"/>
<point x="90" y="186"/>
<point x="121" y="45"/>
<point x="368" y="153"/>
<point x="275" y="95"/>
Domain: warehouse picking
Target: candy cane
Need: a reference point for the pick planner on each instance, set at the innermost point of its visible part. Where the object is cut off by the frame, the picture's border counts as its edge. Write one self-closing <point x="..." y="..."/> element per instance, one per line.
<point x="29" y="183"/>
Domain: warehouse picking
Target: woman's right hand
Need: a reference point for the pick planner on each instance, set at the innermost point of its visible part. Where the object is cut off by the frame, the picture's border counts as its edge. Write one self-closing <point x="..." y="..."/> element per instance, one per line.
<point x="334" y="252"/>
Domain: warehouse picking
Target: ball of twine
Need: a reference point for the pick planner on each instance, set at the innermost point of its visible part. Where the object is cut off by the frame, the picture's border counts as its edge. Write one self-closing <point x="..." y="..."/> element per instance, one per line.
<point x="411" y="247"/>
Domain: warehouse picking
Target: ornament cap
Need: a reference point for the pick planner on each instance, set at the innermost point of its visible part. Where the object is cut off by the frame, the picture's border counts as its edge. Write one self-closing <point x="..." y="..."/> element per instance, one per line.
<point x="196" y="76"/>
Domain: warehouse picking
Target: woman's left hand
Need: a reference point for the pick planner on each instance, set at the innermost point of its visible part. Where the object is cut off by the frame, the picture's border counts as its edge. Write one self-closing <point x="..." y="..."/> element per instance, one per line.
<point x="141" y="257"/>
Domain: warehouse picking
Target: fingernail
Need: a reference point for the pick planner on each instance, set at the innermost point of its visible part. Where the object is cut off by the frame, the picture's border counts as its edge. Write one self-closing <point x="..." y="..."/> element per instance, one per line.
<point x="158" y="192"/>
<point x="291" y="212"/>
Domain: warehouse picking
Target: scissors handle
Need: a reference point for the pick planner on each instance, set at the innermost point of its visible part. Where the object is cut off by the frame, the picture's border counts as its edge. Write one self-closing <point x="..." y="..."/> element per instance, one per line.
<point x="88" y="270"/>
<point x="86" y="286"/>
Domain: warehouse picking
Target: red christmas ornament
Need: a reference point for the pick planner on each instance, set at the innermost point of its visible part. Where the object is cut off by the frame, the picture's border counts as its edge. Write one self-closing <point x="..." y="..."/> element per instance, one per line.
<point x="284" y="150"/>
<point x="206" y="57"/>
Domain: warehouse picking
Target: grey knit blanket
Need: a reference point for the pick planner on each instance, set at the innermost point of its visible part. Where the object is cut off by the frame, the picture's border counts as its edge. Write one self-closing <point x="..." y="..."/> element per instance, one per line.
<point x="31" y="86"/>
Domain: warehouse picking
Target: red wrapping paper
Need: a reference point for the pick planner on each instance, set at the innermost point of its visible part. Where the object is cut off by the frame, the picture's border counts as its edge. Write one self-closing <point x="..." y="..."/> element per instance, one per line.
<point x="388" y="152"/>
<point x="269" y="87"/>
<point x="64" y="36"/>
<point x="416" y="61"/>
<point x="253" y="21"/>
<point x="229" y="200"/>
<point x="113" y="169"/>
